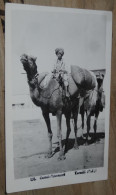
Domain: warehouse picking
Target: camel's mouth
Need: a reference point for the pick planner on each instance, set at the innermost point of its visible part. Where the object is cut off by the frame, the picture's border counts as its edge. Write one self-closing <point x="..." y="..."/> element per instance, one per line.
<point x="29" y="65"/>
<point x="23" y="59"/>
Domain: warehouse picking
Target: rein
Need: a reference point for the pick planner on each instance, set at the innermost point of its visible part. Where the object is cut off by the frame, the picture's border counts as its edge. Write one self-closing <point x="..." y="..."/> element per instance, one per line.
<point x="46" y="97"/>
<point x="35" y="77"/>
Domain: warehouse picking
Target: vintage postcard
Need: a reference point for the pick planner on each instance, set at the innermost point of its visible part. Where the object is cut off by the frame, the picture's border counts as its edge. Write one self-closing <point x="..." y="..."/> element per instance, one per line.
<point x="57" y="96"/>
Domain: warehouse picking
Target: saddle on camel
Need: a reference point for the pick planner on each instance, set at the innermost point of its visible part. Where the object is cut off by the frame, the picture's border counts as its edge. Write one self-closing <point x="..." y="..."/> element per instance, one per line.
<point x="47" y="93"/>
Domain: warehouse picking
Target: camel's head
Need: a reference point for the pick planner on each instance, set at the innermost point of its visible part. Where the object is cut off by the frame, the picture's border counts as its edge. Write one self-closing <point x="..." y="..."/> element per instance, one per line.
<point x="29" y="65"/>
<point x="101" y="94"/>
<point x="100" y="78"/>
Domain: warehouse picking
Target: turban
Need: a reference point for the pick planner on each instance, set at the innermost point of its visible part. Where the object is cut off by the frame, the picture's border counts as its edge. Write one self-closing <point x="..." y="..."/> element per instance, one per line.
<point x="59" y="50"/>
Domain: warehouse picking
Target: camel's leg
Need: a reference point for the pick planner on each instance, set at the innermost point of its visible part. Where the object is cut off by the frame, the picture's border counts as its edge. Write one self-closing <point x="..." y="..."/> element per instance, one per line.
<point x="88" y="128"/>
<point x="82" y="112"/>
<point x="68" y="116"/>
<point x="47" y="120"/>
<point x="95" y="124"/>
<point x="59" y="134"/>
<point x="82" y="118"/>
<point x="75" y="116"/>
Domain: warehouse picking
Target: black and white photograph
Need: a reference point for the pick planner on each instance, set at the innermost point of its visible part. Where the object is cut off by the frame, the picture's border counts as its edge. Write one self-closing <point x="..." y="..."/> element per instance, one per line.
<point x="57" y="98"/>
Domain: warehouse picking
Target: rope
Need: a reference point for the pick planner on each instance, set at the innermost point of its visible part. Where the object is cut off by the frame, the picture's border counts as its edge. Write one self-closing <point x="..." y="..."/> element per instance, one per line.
<point x="50" y="95"/>
<point x="35" y="77"/>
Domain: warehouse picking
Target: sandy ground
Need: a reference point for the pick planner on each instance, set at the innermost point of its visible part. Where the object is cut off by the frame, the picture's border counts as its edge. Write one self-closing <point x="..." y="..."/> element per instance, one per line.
<point x="31" y="143"/>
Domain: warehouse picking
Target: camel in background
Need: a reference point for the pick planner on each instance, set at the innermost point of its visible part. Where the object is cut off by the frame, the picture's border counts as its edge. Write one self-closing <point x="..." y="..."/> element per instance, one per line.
<point x="92" y="104"/>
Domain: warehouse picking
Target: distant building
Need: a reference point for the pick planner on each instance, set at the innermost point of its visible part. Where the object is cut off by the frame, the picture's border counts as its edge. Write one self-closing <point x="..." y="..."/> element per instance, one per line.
<point x="102" y="71"/>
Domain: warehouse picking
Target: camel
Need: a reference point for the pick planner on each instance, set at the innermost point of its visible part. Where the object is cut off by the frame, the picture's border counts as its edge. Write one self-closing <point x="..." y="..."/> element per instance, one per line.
<point x="51" y="99"/>
<point x="92" y="104"/>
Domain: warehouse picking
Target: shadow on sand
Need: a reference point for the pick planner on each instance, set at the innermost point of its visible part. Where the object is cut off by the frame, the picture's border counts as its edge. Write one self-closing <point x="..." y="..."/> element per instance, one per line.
<point x="81" y="141"/>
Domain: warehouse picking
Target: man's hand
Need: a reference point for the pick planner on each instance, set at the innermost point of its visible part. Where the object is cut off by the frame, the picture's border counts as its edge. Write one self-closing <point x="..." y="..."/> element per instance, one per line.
<point x="63" y="71"/>
<point x="54" y="71"/>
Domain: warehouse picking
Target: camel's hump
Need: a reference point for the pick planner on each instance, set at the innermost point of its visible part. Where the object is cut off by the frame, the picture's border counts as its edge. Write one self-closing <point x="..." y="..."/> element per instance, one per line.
<point x="83" y="77"/>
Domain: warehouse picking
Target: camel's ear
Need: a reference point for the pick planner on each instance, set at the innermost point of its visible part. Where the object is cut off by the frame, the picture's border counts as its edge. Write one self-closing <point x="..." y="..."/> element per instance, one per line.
<point x="35" y="58"/>
<point x="23" y="55"/>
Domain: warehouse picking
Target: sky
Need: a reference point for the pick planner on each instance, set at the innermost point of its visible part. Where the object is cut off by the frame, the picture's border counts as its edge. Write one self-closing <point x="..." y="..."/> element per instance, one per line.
<point x="39" y="33"/>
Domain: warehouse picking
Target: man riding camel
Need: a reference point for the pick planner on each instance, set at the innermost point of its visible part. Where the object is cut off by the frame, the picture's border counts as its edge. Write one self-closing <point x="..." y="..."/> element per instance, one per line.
<point x="59" y="70"/>
<point x="59" y="73"/>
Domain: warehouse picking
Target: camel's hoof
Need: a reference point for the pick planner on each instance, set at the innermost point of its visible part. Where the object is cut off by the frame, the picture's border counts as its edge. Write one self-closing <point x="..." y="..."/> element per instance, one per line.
<point x="96" y="141"/>
<point x="86" y="143"/>
<point x="49" y="155"/>
<point x="61" y="157"/>
<point x="76" y="147"/>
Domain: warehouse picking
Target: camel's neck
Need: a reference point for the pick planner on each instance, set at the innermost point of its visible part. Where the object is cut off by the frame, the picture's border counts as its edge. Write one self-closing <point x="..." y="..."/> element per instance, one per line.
<point x="37" y="79"/>
<point x="100" y="83"/>
<point x="33" y="83"/>
<point x="34" y="91"/>
<point x="31" y="75"/>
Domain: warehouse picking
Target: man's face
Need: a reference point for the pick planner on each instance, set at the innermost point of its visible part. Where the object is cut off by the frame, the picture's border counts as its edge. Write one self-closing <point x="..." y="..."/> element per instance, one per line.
<point x="59" y="56"/>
